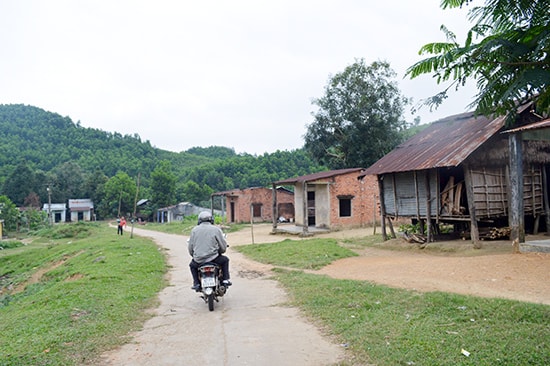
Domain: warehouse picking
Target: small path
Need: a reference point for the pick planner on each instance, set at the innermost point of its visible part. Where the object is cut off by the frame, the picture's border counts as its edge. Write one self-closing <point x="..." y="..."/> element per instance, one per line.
<point x="249" y="326"/>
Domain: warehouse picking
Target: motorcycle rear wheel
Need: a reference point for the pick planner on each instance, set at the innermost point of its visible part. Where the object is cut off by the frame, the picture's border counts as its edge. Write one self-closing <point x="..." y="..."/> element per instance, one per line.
<point x="211" y="302"/>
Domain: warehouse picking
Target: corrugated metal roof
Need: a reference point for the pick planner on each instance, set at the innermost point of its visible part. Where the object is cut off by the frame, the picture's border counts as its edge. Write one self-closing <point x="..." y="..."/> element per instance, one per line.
<point x="317" y="176"/>
<point x="533" y="126"/>
<point x="445" y="143"/>
<point x="80" y="204"/>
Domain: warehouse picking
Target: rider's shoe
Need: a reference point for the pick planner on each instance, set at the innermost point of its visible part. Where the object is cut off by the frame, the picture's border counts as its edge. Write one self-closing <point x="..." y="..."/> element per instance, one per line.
<point x="226" y="283"/>
<point x="196" y="287"/>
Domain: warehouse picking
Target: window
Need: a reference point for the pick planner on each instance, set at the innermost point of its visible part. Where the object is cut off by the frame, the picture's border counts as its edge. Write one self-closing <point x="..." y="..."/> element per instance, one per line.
<point x="345" y="205"/>
<point x="256" y="210"/>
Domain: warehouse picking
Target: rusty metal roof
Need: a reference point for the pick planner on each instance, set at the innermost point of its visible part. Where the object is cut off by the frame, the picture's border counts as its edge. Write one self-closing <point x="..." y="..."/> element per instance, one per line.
<point x="533" y="126"/>
<point x="236" y="191"/>
<point x="317" y="176"/>
<point x="445" y="143"/>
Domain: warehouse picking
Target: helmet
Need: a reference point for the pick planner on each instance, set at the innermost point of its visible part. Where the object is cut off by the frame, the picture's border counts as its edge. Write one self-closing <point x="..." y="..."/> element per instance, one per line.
<point x="205" y="216"/>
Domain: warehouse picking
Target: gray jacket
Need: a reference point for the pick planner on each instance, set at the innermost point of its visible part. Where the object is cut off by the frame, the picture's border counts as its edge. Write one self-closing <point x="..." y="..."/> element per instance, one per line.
<point x="206" y="242"/>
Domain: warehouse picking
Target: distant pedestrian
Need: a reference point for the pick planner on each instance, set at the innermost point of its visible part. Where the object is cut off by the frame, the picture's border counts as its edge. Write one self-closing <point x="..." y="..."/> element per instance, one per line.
<point x="121" y="224"/>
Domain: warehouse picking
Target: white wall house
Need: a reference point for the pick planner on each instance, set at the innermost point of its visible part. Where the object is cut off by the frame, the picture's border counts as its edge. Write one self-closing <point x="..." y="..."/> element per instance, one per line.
<point x="57" y="210"/>
<point x="81" y="210"/>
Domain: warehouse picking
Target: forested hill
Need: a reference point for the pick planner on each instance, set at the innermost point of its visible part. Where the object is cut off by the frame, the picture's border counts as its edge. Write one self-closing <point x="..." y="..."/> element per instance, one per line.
<point x="51" y="147"/>
<point x="46" y="140"/>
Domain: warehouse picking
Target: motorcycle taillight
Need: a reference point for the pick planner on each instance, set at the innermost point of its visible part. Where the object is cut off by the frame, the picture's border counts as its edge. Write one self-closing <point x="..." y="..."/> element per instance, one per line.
<point x="207" y="269"/>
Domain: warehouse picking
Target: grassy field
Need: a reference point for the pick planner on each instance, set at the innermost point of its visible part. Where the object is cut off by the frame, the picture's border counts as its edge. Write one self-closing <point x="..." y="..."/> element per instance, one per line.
<point x="384" y="326"/>
<point x="183" y="227"/>
<point x="74" y="293"/>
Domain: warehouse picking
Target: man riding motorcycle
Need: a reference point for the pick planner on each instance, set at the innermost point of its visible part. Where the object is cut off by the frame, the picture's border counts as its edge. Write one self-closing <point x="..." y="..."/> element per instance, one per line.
<point x="206" y="244"/>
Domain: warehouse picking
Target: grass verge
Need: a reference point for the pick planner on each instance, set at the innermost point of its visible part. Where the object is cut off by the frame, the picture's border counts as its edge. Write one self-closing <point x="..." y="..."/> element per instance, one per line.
<point x="306" y="254"/>
<point x="184" y="226"/>
<point x="385" y="326"/>
<point x="75" y="293"/>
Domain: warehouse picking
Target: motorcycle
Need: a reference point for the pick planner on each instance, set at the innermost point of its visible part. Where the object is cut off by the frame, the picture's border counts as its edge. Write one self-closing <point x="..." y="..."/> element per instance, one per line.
<point x="210" y="277"/>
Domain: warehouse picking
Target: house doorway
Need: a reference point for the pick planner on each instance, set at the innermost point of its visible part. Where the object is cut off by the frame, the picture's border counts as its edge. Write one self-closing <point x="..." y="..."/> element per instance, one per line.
<point x="232" y="212"/>
<point x="311" y="208"/>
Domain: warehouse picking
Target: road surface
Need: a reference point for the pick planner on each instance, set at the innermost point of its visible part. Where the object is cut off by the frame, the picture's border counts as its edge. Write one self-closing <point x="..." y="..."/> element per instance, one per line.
<point x="251" y="325"/>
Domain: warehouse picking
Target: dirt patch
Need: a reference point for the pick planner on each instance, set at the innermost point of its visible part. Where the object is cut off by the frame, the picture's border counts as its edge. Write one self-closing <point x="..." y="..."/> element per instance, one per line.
<point x="449" y="266"/>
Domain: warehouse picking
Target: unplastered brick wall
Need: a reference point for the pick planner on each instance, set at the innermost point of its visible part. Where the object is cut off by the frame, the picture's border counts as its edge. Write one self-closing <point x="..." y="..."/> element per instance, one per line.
<point x="364" y="200"/>
<point x="260" y="200"/>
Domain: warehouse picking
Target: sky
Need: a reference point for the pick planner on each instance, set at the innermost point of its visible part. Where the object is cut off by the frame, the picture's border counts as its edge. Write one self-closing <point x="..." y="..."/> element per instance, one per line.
<point x="241" y="74"/>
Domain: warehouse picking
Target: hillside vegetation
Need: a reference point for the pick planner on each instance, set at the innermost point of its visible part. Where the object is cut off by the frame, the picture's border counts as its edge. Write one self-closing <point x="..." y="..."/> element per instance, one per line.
<point x="41" y="149"/>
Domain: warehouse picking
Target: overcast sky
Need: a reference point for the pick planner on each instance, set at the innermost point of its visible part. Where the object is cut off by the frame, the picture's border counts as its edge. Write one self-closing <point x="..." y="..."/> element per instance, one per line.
<point x="180" y="74"/>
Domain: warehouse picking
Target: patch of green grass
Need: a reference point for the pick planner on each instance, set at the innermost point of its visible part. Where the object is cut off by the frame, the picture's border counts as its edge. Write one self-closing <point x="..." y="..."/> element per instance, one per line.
<point x="362" y="242"/>
<point x="10" y="244"/>
<point x="64" y="301"/>
<point x="178" y="228"/>
<point x="385" y="326"/>
<point x="307" y="254"/>
<point x="185" y="226"/>
<point x="64" y="231"/>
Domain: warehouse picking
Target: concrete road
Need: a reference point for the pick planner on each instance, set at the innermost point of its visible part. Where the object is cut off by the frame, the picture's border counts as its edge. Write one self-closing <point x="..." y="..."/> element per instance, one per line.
<point x="249" y="326"/>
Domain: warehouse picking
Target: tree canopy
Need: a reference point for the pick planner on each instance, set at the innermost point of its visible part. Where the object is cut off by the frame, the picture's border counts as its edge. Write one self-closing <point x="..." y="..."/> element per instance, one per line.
<point x="510" y="62"/>
<point x="359" y="118"/>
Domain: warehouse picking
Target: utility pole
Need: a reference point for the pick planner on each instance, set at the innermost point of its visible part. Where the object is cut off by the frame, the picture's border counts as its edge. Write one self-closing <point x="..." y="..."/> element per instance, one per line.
<point x="119" y="203"/>
<point x="49" y="205"/>
<point x="135" y="206"/>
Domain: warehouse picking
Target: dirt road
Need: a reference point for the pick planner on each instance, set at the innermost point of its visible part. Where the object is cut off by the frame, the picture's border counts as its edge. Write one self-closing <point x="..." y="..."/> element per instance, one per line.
<point x="252" y="325"/>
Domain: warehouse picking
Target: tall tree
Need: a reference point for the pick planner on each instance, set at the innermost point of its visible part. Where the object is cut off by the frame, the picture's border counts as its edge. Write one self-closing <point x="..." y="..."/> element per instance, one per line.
<point x="120" y="192"/>
<point x="20" y="184"/>
<point x="359" y="117"/>
<point x="68" y="182"/>
<point x="94" y="188"/>
<point x="510" y="63"/>
<point x="191" y="191"/>
<point x="163" y="183"/>
<point x="9" y="213"/>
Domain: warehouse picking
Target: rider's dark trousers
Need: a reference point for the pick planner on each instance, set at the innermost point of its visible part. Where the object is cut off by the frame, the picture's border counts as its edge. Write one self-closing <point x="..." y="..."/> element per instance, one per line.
<point x="221" y="260"/>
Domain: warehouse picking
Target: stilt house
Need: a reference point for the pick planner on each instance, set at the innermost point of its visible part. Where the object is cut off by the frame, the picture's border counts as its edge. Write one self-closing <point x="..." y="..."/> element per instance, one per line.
<point x="470" y="172"/>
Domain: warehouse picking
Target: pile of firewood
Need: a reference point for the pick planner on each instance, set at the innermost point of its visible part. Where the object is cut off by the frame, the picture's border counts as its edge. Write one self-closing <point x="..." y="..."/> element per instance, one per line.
<point x="415" y="238"/>
<point x="495" y="233"/>
<point x="489" y="233"/>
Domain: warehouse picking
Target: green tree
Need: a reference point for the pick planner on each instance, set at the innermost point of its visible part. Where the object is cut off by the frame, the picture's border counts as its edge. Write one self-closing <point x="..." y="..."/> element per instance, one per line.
<point x="215" y="152"/>
<point x="68" y="182"/>
<point x="19" y="184"/>
<point x="9" y="213"/>
<point x="94" y="188"/>
<point x="33" y="219"/>
<point x="120" y="192"/>
<point x="358" y="119"/>
<point x="191" y="191"/>
<point x="510" y="63"/>
<point x="163" y="183"/>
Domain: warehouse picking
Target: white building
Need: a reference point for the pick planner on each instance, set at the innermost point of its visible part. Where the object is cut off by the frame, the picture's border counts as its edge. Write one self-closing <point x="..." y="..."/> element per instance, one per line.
<point x="81" y="210"/>
<point x="57" y="210"/>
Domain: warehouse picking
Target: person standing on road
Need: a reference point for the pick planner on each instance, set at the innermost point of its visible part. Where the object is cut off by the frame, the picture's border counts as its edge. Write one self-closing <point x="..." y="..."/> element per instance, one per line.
<point x="121" y="225"/>
<point x="207" y="244"/>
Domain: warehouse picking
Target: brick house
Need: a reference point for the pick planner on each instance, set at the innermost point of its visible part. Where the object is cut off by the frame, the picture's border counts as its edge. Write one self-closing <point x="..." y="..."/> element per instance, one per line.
<point x="257" y="203"/>
<point x="334" y="199"/>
